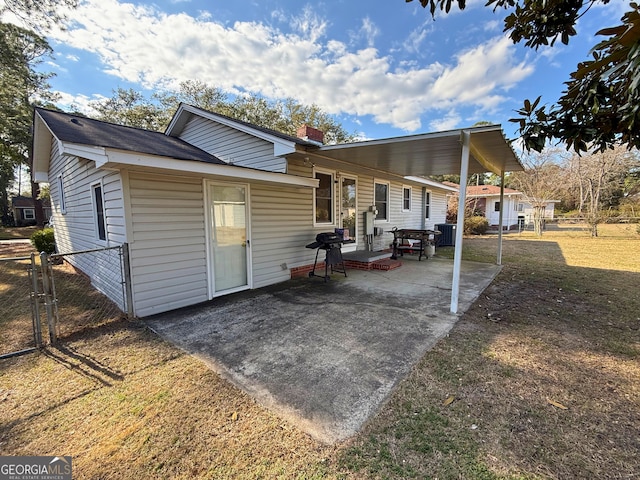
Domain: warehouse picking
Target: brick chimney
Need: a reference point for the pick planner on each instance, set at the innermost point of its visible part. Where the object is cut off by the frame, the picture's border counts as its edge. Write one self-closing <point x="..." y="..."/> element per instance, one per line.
<point x="310" y="134"/>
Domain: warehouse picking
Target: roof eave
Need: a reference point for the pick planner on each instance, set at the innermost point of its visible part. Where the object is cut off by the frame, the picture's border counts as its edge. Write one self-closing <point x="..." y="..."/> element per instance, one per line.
<point x="124" y="159"/>
<point x="41" y="149"/>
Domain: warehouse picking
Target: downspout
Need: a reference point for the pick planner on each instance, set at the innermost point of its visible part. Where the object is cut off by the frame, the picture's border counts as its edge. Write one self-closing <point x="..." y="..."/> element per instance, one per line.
<point x="500" y="219"/>
<point x="465" y="137"/>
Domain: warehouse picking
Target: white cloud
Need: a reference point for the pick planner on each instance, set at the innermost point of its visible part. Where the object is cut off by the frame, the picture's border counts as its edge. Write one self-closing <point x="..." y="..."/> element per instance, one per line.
<point x="448" y="122"/>
<point x="493" y="26"/>
<point x="79" y="103"/>
<point x="143" y="45"/>
<point x="309" y="24"/>
<point x="368" y="32"/>
<point x="416" y="39"/>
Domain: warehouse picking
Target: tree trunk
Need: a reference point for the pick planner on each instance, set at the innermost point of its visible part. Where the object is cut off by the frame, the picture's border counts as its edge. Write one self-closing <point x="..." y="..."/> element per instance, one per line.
<point x="37" y="204"/>
<point x="538" y="219"/>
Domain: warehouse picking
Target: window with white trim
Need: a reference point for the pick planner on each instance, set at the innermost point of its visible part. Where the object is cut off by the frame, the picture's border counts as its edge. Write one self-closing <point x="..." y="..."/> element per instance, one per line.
<point x="324" y="198"/>
<point x="406" y="199"/>
<point x="63" y="202"/>
<point x="98" y="211"/>
<point x="427" y="205"/>
<point x="381" y="198"/>
<point x="28" y="214"/>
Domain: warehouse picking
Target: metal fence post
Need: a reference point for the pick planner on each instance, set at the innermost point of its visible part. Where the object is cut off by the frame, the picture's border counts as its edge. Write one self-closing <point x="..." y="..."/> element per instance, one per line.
<point x="126" y="279"/>
<point x="48" y="297"/>
<point x="35" y="307"/>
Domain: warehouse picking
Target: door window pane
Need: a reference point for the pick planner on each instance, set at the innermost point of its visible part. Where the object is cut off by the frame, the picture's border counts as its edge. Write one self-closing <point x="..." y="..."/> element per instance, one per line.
<point x="349" y="207"/>
<point x="229" y="236"/>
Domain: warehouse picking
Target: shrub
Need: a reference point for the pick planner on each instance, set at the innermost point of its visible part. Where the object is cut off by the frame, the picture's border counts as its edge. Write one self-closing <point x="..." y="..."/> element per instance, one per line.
<point x="44" y="241"/>
<point x="475" y="225"/>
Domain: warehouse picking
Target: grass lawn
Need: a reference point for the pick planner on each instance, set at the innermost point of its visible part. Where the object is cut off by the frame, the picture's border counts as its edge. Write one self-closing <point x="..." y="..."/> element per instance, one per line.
<point x="539" y="379"/>
<point x="13" y="233"/>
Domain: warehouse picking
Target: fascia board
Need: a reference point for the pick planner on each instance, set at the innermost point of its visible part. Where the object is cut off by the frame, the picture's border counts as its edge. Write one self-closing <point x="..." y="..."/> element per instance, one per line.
<point x="97" y="154"/>
<point x="431" y="183"/>
<point x="42" y="136"/>
<point x="133" y="159"/>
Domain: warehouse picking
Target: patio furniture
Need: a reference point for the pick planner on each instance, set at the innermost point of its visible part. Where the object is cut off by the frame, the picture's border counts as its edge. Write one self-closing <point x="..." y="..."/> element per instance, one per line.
<point x="412" y="240"/>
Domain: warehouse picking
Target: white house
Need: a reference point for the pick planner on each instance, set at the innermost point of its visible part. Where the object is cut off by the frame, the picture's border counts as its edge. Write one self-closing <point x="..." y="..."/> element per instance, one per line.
<point x="215" y="205"/>
<point x="486" y="199"/>
<point x="516" y="209"/>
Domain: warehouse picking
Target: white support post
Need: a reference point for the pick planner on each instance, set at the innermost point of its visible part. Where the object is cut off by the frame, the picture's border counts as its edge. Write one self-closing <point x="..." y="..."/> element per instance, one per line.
<point x="465" y="137"/>
<point x="500" y="220"/>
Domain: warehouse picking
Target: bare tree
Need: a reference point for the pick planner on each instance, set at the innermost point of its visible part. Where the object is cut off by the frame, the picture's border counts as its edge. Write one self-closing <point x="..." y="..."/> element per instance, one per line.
<point x="541" y="182"/>
<point x="599" y="179"/>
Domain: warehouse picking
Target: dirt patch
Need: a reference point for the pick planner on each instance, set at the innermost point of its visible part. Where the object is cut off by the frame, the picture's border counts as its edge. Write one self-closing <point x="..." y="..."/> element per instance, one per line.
<point x="15" y="249"/>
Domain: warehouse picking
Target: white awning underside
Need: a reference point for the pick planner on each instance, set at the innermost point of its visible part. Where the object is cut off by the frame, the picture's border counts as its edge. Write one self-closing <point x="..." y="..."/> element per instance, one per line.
<point x="431" y="153"/>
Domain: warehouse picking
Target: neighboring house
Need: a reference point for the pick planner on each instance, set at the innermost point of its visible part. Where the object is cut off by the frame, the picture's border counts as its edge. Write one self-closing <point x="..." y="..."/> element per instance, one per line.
<point x="486" y="199"/>
<point x="214" y="205"/>
<point x="24" y="210"/>
<point x="516" y="209"/>
<point x="525" y="211"/>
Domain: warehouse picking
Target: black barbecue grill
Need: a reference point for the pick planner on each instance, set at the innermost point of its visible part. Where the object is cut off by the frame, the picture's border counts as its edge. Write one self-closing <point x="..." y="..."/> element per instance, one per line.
<point x="331" y="243"/>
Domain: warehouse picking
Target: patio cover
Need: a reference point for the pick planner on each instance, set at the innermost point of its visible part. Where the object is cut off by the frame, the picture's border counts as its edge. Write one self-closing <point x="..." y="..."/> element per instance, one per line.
<point x="464" y="151"/>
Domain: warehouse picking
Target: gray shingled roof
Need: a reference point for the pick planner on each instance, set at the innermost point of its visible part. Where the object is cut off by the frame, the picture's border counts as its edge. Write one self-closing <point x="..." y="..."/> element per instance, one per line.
<point x="86" y="131"/>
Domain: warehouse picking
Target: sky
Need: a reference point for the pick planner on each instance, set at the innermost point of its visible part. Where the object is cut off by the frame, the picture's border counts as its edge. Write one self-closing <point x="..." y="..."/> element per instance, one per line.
<point x="382" y="68"/>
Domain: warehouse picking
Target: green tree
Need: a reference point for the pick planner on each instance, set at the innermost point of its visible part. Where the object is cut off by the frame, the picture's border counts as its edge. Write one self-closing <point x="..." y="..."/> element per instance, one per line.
<point x="128" y="107"/>
<point x="21" y="51"/>
<point x="131" y="108"/>
<point x="37" y="14"/>
<point x="601" y="105"/>
<point x="196" y="93"/>
<point x="286" y="116"/>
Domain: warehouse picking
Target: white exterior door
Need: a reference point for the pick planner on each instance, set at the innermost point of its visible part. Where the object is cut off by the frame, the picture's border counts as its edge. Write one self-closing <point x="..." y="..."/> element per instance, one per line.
<point x="349" y="208"/>
<point x="229" y="251"/>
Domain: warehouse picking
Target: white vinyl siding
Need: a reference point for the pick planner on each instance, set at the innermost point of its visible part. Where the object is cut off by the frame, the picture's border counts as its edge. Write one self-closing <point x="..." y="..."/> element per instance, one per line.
<point x="281" y="226"/>
<point x="76" y="230"/>
<point x="168" y="259"/>
<point x="232" y="146"/>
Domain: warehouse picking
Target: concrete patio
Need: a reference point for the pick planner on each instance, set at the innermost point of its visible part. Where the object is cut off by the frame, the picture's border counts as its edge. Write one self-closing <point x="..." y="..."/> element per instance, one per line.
<point x="326" y="355"/>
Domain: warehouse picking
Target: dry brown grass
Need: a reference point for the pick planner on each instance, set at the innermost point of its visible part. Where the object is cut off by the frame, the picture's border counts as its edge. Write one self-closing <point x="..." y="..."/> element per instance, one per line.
<point x="560" y="324"/>
<point x="560" y="327"/>
<point x="16" y="331"/>
<point x="125" y="404"/>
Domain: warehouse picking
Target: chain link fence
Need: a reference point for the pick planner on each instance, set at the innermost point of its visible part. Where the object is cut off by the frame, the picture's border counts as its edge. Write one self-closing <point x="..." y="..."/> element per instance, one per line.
<point x="19" y="328"/>
<point x="44" y="298"/>
<point x="89" y="288"/>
